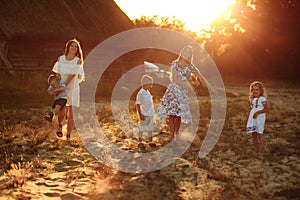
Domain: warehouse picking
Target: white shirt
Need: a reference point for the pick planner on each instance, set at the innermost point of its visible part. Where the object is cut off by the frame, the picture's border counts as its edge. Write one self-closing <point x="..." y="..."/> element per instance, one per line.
<point x="65" y="68"/>
<point x="144" y="99"/>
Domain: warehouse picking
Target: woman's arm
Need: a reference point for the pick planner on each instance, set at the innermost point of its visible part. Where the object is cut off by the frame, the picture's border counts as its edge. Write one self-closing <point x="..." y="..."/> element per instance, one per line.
<point x="69" y="78"/>
<point x="199" y="76"/>
<point x="79" y="62"/>
<point x="177" y="80"/>
<point x="80" y="75"/>
<point x="59" y="90"/>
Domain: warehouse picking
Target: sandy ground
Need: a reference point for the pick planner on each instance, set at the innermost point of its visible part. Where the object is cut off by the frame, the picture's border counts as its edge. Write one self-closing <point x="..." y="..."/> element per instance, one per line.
<point x="34" y="164"/>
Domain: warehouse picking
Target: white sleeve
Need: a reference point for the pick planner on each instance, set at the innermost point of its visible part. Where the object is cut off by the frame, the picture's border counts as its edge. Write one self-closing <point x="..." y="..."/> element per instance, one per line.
<point x="263" y="100"/>
<point x="139" y="98"/>
<point x="56" y="67"/>
<point x="81" y="74"/>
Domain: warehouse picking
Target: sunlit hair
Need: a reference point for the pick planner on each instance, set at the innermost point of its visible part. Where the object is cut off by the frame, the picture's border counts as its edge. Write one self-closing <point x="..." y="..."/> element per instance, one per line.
<point x="260" y="86"/>
<point x="146" y="79"/>
<point x="78" y="52"/>
<point x="184" y="49"/>
<point x="52" y="77"/>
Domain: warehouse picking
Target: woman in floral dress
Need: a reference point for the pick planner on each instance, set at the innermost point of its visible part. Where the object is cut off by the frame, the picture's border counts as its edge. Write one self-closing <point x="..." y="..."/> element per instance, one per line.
<point x="175" y="103"/>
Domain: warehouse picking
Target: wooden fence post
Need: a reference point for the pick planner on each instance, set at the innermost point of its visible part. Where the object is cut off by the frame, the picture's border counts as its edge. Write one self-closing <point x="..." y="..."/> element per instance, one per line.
<point x="6" y="61"/>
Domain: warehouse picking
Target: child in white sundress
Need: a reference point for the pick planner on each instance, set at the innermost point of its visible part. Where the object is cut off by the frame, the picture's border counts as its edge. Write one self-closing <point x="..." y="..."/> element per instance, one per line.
<point x="256" y="116"/>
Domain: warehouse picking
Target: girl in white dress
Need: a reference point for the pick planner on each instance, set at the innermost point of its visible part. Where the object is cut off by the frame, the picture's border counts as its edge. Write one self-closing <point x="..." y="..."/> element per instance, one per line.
<point x="69" y="68"/>
<point x="256" y="116"/>
<point x="175" y="103"/>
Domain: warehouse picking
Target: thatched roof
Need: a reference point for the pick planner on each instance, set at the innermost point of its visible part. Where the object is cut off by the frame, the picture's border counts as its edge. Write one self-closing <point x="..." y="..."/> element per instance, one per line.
<point x="33" y="32"/>
<point x="90" y="20"/>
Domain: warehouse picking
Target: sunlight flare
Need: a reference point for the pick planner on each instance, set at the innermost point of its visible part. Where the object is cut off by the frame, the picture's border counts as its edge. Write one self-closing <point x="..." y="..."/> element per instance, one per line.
<point x="195" y="14"/>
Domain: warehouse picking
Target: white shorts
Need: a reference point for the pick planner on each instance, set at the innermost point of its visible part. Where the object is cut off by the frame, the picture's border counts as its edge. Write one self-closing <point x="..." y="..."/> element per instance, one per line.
<point x="147" y="124"/>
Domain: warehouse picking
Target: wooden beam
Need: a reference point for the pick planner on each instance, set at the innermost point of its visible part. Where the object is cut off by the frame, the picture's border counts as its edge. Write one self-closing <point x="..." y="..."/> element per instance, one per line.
<point x="6" y="61"/>
<point x="69" y="9"/>
<point x="26" y="69"/>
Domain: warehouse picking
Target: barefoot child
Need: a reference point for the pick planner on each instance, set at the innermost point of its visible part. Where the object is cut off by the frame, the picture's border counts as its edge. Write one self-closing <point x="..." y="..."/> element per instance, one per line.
<point x="256" y="116"/>
<point x="145" y="109"/>
<point x="57" y="89"/>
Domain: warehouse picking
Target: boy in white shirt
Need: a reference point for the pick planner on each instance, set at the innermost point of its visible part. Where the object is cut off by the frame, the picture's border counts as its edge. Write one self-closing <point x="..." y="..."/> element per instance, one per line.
<point x="145" y="109"/>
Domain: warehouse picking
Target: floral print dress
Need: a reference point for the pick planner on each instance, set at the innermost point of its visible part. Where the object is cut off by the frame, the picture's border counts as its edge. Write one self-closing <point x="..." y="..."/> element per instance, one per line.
<point x="175" y="100"/>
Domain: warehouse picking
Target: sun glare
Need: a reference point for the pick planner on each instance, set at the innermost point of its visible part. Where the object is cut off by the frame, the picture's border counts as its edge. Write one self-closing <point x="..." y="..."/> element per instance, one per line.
<point x="195" y="14"/>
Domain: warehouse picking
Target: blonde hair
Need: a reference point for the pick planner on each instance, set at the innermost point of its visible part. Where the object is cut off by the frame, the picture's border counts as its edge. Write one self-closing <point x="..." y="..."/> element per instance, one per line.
<point x="146" y="79"/>
<point x="260" y="86"/>
<point x="183" y="49"/>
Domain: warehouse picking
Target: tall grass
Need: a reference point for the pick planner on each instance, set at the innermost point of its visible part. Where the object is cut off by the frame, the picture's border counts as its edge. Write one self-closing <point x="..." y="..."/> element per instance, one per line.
<point x="24" y="89"/>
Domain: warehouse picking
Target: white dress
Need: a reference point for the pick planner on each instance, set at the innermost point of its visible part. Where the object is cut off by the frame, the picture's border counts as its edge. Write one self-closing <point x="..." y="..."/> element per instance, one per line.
<point x="257" y="124"/>
<point x="65" y="68"/>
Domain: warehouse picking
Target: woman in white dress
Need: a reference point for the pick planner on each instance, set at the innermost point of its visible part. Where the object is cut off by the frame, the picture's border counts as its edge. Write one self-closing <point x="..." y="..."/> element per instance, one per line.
<point x="175" y="103"/>
<point x="69" y="68"/>
<point x="256" y="116"/>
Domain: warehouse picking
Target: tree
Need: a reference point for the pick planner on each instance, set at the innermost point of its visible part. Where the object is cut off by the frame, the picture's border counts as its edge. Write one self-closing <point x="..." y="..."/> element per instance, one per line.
<point x="263" y="35"/>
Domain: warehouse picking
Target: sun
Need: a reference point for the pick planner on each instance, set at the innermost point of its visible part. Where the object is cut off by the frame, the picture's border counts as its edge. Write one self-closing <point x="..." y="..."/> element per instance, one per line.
<point x="195" y="14"/>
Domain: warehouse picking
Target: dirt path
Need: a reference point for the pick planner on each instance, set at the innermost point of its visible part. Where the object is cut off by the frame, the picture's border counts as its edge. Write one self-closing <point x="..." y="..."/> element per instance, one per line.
<point x="35" y="164"/>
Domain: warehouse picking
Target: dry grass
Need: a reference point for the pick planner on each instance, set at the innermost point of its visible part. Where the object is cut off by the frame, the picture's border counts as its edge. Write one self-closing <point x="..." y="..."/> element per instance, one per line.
<point x="32" y="157"/>
<point x="19" y="173"/>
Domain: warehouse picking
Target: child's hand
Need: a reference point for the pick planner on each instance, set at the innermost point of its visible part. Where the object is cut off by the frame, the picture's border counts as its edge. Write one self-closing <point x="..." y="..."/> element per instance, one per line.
<point x="51" y="92"/>
<point x="57" y="92"/>
<point x="255" y="115"/>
